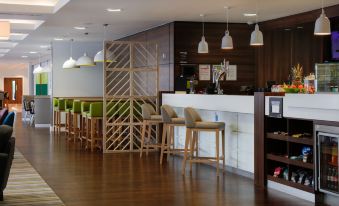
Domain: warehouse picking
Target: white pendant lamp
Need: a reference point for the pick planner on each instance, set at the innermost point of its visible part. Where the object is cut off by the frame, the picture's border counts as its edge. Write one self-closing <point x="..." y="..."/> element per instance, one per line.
<point x="85" y="61"/>
<point x="5" y="30"/>
<point x="227" y="41"/>
<point x="257" y="37"/>
<point x="322" y="24"/>
<point x="70" y="63"/>
<point x="203" y="45"/>
<point x="38" y="69"/>
<point x="99" y="57"/>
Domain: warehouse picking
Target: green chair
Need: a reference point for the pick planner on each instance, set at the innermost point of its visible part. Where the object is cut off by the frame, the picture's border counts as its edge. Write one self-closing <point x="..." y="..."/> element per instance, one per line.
<point x="75" y="114"/>
<point x="94" y="121"/>
<point x="68" y="108"/>
<point x="55" y="106"/>
<point x="84" y="128"/>
<point x="60" y="108"/>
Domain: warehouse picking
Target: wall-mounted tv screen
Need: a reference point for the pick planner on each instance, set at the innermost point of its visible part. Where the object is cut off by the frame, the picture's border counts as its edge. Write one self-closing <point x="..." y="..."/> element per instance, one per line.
<point x="335" y="45"/>
<point x="188" y="70"/>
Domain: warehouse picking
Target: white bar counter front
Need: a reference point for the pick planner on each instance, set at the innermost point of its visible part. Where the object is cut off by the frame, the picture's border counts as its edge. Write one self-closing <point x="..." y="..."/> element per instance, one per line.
<point x="238" y="114"/>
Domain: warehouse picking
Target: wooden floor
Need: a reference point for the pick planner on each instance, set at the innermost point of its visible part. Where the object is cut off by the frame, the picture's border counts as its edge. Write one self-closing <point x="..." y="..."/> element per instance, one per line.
<point x="81" y="178"/>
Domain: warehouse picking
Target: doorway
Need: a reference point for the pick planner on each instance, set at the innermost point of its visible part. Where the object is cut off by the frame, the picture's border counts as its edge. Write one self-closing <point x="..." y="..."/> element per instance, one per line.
<point x="14" y="88"/>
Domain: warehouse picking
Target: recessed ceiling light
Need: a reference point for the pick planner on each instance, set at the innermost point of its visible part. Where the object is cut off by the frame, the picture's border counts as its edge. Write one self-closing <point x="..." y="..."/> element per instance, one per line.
<point x="79" y="27"/>
<point x="287" y="29"/>
<point x="44" y="46"/>
<point x="300" y="27"/>
<point x="250" y="14"/>
<point x="58" y="39"/>
<point x="113" y="10"/>
<point x="24" y="56"/>
<point x="33" y="52"/>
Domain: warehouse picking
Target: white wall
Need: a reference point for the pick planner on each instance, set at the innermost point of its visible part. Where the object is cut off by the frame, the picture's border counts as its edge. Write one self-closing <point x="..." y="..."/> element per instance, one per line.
<point x="83" y="82"/>
<point x="17" y="71"/>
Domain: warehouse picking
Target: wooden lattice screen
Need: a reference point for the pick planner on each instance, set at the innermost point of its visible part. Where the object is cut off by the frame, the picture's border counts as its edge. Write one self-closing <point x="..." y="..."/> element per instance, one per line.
<point x="130" y="80"/>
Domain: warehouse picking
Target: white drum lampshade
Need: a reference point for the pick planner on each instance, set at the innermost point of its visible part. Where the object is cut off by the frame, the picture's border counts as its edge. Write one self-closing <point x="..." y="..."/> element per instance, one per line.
<point x="38" y="70"/>
<point x="203" y="46"/>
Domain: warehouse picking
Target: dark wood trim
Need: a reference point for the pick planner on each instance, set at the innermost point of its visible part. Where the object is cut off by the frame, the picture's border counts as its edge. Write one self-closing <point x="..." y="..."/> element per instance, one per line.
<point x="297" y="19"/>
<point x="259" y="139"/>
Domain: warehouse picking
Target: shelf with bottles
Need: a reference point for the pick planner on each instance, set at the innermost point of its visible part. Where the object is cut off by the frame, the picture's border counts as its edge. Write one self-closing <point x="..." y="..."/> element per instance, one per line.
<point x="292" y="176"/>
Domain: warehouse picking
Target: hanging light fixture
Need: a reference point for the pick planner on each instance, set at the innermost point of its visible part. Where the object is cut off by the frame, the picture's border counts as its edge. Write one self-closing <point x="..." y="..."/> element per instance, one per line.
<point x="5" y="30"/>
<point x="227" y="41"/>
<point x="322" y="24"/>
<point x="70" y="63"/>
<point x="99" y="57"/>
<point x="203" y="45"/>
<point x="85" y="61"/>
<point x="256" y="36"/>
<point x="38" y="69"/>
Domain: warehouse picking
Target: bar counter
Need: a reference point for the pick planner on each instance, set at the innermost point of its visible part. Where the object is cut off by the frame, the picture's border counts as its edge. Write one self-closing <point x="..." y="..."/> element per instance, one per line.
<point x="238" y="114"/>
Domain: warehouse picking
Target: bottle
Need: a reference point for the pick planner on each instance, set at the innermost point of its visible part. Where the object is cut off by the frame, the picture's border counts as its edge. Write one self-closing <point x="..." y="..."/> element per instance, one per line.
<point x="329" y="173"/>
<point x="335" y="179"/>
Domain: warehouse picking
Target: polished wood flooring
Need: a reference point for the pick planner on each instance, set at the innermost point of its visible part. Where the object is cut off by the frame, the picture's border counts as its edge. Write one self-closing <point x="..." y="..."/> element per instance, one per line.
<point x="79" y="177"/>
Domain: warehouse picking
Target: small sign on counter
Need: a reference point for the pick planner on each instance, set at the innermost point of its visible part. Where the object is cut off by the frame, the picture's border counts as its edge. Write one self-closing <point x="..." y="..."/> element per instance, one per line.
<point x="204" y="72"/>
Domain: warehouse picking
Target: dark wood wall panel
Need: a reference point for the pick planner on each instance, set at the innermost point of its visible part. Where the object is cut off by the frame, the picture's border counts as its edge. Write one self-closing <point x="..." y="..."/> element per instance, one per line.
<point x="163" y="35"/>
<point x="187" y="36"/>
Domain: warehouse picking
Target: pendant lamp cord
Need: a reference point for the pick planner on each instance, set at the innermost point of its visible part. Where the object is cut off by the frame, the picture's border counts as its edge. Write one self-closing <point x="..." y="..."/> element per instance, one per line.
<point x="72" y="47"/>
<point x="39" y="59"/>
<point x="203" y="24"/>
<point x="256" y="11"/>
<point x="227" y="16"/>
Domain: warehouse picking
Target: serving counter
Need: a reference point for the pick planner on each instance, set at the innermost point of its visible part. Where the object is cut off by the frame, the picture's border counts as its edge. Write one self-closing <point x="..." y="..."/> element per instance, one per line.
<point x="238" y="114"/>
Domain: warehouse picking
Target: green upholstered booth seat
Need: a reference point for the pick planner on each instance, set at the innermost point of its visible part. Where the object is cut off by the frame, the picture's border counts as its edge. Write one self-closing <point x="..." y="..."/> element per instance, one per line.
<point x="85" y="108"/>
<point x="95" y="110"/>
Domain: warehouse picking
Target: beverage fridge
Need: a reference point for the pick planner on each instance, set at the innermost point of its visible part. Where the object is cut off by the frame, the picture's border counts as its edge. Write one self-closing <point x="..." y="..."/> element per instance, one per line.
<point x="327" y="159"/>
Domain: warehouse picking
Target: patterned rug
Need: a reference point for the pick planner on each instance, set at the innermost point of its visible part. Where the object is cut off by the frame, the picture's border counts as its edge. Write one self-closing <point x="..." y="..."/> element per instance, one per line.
<point x="26" y="187"/>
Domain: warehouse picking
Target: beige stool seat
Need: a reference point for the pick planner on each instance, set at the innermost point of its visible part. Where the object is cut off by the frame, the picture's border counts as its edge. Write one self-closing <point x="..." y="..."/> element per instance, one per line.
<point x="156" y="117"/>
<point x="209" y="125"/>
<point x="170" y="120"/>
<point x="150" y="119"/>
<point x="194" y="125"/>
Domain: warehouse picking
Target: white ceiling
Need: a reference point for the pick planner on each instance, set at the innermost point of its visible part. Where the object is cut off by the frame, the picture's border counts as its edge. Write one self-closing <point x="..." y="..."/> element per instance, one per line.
<point x="137" y="15"/>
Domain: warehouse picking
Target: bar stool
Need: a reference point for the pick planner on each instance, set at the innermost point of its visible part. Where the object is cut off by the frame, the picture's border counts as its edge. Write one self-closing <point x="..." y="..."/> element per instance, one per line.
<point x="150" y="118"/>
<point x="94" y="123"/>
<point x="75" y="115"/>
<point x="170" y="120"/>
<point x="59" y="109"/>
<point x="68" y="108"/>
<point x="194" y="125"/>
<point x="55" y="107"/>
<point x="84" y="128"/>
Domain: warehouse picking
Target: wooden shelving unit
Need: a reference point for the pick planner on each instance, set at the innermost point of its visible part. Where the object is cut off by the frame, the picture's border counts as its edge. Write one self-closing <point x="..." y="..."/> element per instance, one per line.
<point x="285" y="160"/>
<point x="303" y="140"/>
<point x="290" y="183"/>
<point x="280" y="147"/>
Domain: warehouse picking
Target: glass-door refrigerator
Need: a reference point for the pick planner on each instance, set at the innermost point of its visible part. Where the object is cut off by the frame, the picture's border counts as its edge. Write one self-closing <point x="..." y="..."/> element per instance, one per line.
<point x="328" y="162"/>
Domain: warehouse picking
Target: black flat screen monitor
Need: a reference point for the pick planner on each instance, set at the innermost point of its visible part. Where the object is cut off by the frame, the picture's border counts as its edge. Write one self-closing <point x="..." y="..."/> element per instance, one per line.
<point x="188" y="70"/>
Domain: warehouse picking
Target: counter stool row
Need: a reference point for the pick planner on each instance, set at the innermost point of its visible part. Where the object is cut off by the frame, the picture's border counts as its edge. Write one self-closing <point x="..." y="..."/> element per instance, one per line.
<point x="193" y="123"/>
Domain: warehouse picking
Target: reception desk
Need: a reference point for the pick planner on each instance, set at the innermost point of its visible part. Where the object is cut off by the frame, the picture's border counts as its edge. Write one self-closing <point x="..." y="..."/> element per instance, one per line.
<point x="238" y="114"/>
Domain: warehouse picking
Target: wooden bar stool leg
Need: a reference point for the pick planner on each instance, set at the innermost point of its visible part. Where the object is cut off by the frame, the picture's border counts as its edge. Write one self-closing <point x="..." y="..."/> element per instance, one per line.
<point x="59" y="122"/>
<point x="149" y="135"/>
<point x="92" y="134"/>
<point x="75" y="126"/>
<point x="223" y="149"/>
<point x="143" y="131"/>
<point x="88" y="127"/>
<point x="217" y="149"/>
<point x="168" y="141"/>
<point x="196" y="134"/>
<point x="192" y="148"/>
<point x="164" y="136"/>
<point x="187" y="141"/>
<point x="54" y="121"/>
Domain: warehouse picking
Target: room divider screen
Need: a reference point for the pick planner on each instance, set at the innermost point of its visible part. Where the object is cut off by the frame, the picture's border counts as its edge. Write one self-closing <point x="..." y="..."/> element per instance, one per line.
<point x="131" y="78"/>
